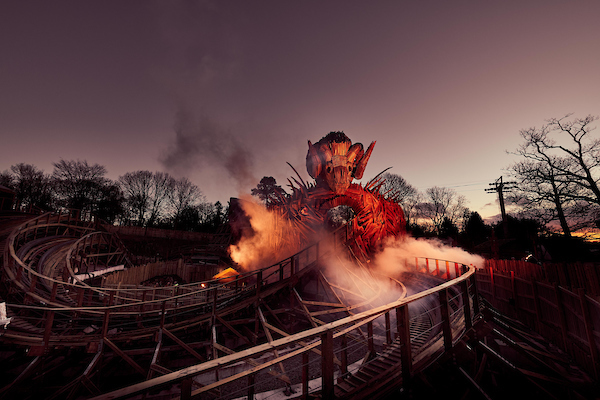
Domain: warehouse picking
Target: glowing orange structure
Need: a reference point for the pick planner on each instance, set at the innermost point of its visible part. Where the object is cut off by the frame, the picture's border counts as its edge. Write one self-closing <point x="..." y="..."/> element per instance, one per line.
<point x="334" y="162"/>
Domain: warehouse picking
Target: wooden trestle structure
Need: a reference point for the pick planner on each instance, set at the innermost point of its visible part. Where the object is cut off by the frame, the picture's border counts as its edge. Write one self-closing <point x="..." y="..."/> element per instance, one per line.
<point x="275" y="327"/>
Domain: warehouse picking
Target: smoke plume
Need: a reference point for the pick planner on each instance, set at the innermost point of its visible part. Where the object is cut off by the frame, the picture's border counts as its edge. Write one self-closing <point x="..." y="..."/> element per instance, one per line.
<point x="271" y="239"/>
<point x="199" y="142"/>
<point x="398" y="253"/>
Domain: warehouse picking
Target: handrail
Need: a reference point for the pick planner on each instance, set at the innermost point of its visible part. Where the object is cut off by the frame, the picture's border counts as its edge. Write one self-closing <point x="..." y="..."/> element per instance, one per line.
<point x="191" y="290"/>
<point x="208" y="366"/>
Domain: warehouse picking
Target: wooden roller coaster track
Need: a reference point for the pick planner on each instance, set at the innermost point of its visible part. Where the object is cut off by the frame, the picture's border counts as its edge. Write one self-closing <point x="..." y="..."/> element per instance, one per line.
<point x="278" y="325"/>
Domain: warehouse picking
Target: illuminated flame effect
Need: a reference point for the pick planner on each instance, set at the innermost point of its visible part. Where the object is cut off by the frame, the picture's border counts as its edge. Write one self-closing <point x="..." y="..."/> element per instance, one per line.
<point x="273" y="238"/>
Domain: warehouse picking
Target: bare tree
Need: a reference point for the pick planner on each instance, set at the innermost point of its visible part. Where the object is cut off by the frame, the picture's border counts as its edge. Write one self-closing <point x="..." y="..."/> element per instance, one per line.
<point x="78" y="185"/>
<point x="443" y="204"/>
<point x="541" y="194"/>
<point x="6" y="179"/>
<point x="136" y="189"/>
<point x="561" y="170"/>
<point x="32" y="187"/>
<point x="185" y="195"/>
<point x="396" y="188"/>
<point x="161" y="192"/>
<point x="147" y="195"/>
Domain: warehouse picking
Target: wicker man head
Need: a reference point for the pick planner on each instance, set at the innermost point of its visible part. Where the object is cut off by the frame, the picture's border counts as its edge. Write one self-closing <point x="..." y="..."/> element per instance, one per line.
<point x="334" y="161"/>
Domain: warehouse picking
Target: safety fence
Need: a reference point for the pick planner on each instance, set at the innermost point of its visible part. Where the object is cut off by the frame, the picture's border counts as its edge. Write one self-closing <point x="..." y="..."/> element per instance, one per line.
<point x="569" y="318"/>
<point x="573" y="275"/>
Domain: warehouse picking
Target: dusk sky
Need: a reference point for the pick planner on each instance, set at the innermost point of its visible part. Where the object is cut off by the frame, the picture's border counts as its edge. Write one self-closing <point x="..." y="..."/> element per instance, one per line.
<point x="226" y="92"/>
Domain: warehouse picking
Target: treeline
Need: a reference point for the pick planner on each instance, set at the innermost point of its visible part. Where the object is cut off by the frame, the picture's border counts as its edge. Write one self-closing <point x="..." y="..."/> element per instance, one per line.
<point x="140" y="198"/>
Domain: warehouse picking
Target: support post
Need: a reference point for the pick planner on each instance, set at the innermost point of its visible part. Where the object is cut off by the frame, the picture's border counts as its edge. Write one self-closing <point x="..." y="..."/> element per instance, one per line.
<point x="388" y="329"/>
<point x="305" y="375"/>
<point x="258" y="282"/>
<point x="370" y="338"/>
<point x="473" y="280"/>
<point x="186" y="389"/>
<point x="446" y="329"/>
<point x="251" y="383"/>
<point x="464" y="287"/>
<point x="402" y="322"/>
<point x="327" y="365"/>
<point x="344" y="355"/>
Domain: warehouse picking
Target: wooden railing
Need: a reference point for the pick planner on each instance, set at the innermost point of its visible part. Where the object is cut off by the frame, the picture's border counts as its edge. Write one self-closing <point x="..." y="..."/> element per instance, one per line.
<point x="330" y="340"/>
<point x="46" y="296"/>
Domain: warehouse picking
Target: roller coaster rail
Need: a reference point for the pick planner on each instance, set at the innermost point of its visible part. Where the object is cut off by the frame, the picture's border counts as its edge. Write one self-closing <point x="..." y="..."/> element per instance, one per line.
<point x="455" y="321"/>
<point x="52" y="309"/>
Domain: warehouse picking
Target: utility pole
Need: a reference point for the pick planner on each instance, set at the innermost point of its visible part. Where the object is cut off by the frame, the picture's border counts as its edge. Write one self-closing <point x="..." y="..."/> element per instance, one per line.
<point x="500" y="187"/>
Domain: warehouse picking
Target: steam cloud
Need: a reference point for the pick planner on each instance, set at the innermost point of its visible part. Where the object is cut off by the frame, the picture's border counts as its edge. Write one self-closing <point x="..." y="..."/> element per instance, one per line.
<point x="400" y="252"/>
<point x="200" y="142"/>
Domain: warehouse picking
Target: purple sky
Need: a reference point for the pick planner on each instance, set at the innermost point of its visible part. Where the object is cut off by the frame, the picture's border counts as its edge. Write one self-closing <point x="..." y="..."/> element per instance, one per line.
<point x="225" y="92"/>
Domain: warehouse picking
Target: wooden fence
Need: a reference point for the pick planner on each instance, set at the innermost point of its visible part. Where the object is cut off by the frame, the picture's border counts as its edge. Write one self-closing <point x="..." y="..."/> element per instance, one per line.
<point x="568" y="316"/>
<point x="577" y="275"/>
<point x="188" y="272"/>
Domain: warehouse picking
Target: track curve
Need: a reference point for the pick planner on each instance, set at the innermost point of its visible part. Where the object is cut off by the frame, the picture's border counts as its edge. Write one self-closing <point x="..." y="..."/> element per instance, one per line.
<point x="161" y="334"/>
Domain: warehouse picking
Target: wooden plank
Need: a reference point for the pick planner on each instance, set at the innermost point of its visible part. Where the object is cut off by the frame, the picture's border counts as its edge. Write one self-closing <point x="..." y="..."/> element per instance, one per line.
<point x="268" y="334"/>
<point x="282" y="376"/>
<point x="327" y="365"/>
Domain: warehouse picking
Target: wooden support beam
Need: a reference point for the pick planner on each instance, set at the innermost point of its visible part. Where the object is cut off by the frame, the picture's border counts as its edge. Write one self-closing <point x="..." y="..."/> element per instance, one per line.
<point x="281" y="376"/>
<point x="186" y="389"/>
<point x="304" y="309"/>
<point x="301" y="343"/>
<point x="251" y="389"/>
<point x="183" y="344"/>
<point x="388" y="329"/>
<point x="305" y="375"/>
<point x="232" y="329"/>
<point x="464" y="287"/>
<point x="125" y="357"/>
<point x="446" y="328"/>
<point x="23" y="375"/>
<point x="269" y="337"/>
<point x="327" y="365"/>
<point x="156" y="354"/>
<point x="403" y="327"/>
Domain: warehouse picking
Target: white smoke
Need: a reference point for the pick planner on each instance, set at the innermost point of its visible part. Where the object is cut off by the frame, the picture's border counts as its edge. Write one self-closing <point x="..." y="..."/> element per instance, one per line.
<point x="400" y="252"/>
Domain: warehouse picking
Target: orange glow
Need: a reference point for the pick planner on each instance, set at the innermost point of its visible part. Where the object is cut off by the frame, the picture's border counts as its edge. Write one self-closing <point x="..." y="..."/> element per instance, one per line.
<point x="273" y="238"/>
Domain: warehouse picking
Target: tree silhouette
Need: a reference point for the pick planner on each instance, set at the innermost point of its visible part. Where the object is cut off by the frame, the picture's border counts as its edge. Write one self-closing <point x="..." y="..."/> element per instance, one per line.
<point x="79" y="185"/>
<point x="268" y="190"/>
<point x="558" y="178"/>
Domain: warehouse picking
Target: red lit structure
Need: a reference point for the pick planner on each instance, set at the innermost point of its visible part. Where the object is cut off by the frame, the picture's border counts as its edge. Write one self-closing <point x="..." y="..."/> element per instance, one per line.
<point x="334" y="162"/>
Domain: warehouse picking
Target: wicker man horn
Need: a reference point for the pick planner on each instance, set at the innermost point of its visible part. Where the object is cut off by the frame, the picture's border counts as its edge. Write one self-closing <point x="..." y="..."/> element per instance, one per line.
<point x="334" y="161"/>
